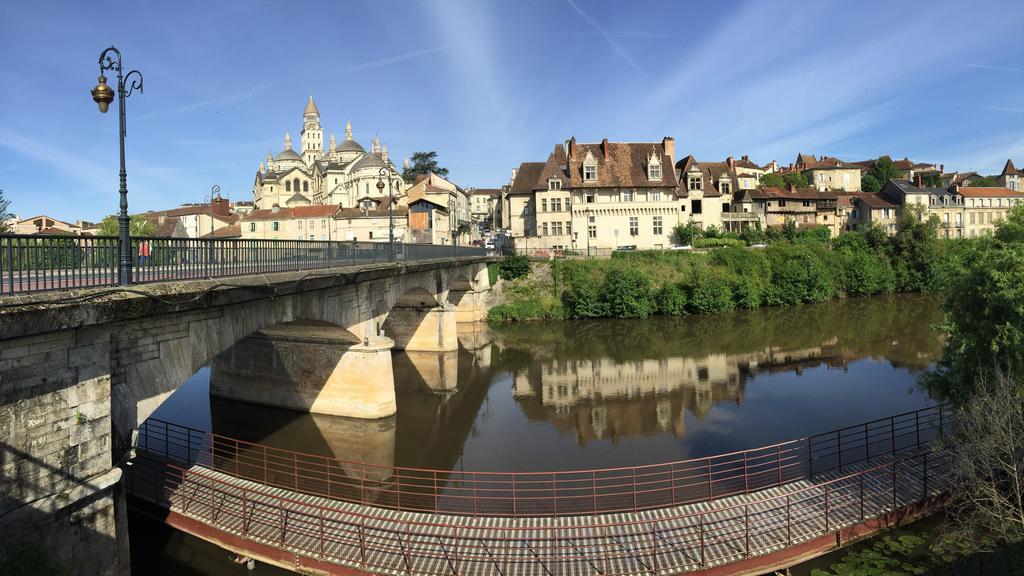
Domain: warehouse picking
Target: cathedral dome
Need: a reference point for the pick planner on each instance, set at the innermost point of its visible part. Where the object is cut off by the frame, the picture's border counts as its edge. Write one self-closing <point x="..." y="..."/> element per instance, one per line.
<point x="288" y="154"/>
<point x="350" y="146"/>
<point x="371" y="160"/>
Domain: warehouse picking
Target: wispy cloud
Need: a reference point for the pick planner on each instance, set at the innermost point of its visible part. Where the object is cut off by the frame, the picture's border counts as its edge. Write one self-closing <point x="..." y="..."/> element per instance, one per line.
<point x="403" y="57"/>
<point x="226" y="100"/>
<point x="612" y="42"/>
<point x="81" y="170"/>
<point x="988" y="67"/>
<point x="996" y="108"/>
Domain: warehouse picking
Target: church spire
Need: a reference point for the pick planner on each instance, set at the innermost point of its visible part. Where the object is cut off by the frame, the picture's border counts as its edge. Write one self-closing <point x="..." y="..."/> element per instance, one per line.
<point x="311" y="109"/>
<point x="375" y="144"/>
<point x="348" y="130"/>
<point x="384" y="153"/>
<point x="287" y="140"/>
<point x="333" y="143"/>
<point x="405" y="163"/>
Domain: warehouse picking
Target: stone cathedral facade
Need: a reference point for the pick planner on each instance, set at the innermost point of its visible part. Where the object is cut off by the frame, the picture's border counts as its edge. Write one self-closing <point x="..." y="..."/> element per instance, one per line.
<point x="344" y="174"/>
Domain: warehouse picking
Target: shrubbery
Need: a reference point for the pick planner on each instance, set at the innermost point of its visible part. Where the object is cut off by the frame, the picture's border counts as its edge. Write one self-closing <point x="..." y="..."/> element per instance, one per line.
<point x="514" y="266"/>
<point x="709" y="242"/>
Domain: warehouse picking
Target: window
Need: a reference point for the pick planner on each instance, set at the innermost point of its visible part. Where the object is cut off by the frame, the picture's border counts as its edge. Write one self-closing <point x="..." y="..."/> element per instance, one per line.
<point x="323" y="223"/>
<point x="298" y="224"/>
<point x="807" y="203"/>
<point x="782" y="203"/>
<point x="295" y="184"/>
<point x="592" y="230"/>
<point x="591" y="198"/>
<point x="724" y="186"/>
<point x="634" y="226"/>
<point x="885" y="212"/>
<point x="695" y="206"/>
<point x="657" y="229"/>
<point x="654" y="172"/>
<point x="544" y="205"/>
<point x="287" y="186"/>
<point x="276" y="226"/>
<point x="545" y="229"/>
<point x="556" y="204"/>
<point x="305" y="186"/>
<point x="821" y="177"/>
<point x="655" y="196"/>
<point x="589" y="172"/>
<point x="252" y="226"/>
<point x="945" y="218"/>
<point x="627" y="195"/>
<point x="694" y="183"/>
<point x="557" y="228"/>
<point x="554" y="184"/>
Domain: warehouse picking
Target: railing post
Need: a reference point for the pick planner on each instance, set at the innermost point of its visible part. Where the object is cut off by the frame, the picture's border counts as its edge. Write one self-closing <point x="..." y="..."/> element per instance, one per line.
<point x="711" y="486"/>
<point x="862" y="497"/>
<point x="892" y="432"/>
<point x="654" y="555"/>
<point x="633" y="470"/>
<point x="789" y="524"/>
<point x="924" y="491"/>
<point x="10" y="265"/>
<point x="245" y="516"/>
<point x="810" y="459"/>
<point x="321" y="531"/>
<point x="839" y="448"/>
<point x="672" y="481"/>
<point x="894" y="486"/>
<point x="867" y="449"/>
<point x="778" y="464"/>
<point x="746" y="478"/>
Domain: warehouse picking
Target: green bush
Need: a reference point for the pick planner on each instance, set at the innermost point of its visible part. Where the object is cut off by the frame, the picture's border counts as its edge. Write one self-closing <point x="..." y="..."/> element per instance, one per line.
<point x="583" y="300"/>
<point x="626" y="293"/>
<point x="492" y="273"/>
<point x="671" y="300"/>
<point x="522" y="310"/>
<point x="514" y="266"/>
<point x="746" y="292"/>
<point x="711" y="293"/>
<point x="716" y="242"/>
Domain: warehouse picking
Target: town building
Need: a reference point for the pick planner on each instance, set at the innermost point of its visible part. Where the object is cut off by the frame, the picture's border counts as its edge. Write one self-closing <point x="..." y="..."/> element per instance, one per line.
<point x="342" y="174"/>
<point x="429" y="222"/>
<point x="984" y="208"/>
<point x="45" y="224"/>
<point x="830" y="173"/>
<point x="198" y="219"/>
<point x="1011" y="177"/>
<point x="776" y="207"/>
<point x="295" y="223"/>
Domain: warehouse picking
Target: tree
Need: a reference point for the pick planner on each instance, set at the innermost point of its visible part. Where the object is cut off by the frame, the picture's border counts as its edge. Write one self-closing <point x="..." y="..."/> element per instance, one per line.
<point x="932" y="181"/>
<point x="138" y="225"/>
<point x="1012" y="229"/>
<point x="5" y="216"/>
<point x="423" y="164"/>
<point x="982" y="181"/>
<point x="986" y="467"/>
<point x="883" y="170"/>
<point x="685" y="234"/>
<point x="776" y="180"/>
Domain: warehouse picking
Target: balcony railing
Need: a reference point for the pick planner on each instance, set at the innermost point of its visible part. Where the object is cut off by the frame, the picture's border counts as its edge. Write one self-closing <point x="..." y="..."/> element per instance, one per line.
<point x="39" y="263"/>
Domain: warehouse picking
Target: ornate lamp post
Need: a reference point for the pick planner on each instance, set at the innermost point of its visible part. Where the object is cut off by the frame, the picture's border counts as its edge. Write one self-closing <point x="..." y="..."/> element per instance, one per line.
<point x="453" y="223"/>
<point x="213" y="197"/>
<point x="385" y="172"/>
<point x="103" y="95"/>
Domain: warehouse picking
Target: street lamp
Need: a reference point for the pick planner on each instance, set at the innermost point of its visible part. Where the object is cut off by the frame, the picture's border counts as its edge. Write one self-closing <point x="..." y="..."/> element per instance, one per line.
<point x="575" y="237"/>
<point x="590" y="214"/>
<point x="103" y="95"/>
<point x="385" y="172"/>
<point x="213" y="197"/>
<point x="452" y="223"/>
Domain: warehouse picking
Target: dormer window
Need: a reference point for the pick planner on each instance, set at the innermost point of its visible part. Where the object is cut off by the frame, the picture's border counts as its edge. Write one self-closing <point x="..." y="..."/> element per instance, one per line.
<point x="725" y="187"/>
<point x="693" y="182"/>
<point x="589" y="168"/>
<point x="554" y="184"/>
<point x="654" y="172"/>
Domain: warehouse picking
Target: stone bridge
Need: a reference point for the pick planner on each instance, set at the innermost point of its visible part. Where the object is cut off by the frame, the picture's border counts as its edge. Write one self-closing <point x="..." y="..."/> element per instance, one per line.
<point x="79" y="372"/>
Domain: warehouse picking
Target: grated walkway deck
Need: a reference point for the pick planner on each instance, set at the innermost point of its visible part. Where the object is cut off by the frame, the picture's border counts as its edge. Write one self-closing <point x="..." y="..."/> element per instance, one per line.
<point x="663" y="541"/>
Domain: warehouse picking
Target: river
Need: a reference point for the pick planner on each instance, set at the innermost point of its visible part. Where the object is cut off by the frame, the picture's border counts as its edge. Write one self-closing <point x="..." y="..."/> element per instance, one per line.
<point x="562" y="395"/>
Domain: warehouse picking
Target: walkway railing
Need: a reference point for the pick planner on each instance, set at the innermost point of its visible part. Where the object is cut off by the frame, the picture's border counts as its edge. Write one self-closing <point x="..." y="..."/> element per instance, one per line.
<point x="37" y="263"/>
<point x="559" y="493"/>
<point x="672" y="541"/>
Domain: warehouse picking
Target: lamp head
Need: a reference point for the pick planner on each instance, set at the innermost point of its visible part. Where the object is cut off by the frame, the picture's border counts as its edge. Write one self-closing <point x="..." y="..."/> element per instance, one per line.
<point x="380" y="185"/>
<point x="102" y="94"/>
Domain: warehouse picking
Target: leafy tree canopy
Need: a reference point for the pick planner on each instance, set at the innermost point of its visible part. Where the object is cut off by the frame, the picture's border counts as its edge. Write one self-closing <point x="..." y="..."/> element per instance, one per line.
<point x="4" y="214"/>
<point x="776" y="180"/>
<point x="422" y="164"/>
<point x="137" y="226"/>
<point x="982" y="181"/>
<point x="883" y="170"/>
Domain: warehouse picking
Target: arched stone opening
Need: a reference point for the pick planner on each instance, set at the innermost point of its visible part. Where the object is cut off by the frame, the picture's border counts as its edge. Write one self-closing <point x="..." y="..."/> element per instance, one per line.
<point x="419" y="323"/>
<point x="469" y="303"/>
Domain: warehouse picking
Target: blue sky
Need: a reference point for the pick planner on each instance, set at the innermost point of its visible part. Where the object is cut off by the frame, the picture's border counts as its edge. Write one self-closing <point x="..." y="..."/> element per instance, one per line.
<point x="491" y="84"/>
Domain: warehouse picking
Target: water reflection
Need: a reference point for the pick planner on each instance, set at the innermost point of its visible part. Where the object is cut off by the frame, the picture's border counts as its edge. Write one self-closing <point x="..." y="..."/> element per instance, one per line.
<point x="610" y="393"/>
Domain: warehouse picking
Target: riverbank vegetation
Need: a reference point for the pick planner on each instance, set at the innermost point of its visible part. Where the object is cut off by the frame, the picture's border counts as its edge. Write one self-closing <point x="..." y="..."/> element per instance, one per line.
<point x="796" y="267"/>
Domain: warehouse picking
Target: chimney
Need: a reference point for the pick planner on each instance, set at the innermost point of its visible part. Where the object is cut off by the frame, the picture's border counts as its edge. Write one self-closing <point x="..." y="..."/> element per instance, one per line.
<point x="669" y="144"/>
<point x="571" y="145"/>
<point x="162" y="219"/>
<point x="514" y="172"/>
<point x="942" y="168"/>
<point x="275" y="208"/>
<point x="730" y="162"/>
<point x="746" y="158"/>
<point x="918" y="180"/>
<point x="792" y="188"/>
<point x="604" y="148"/>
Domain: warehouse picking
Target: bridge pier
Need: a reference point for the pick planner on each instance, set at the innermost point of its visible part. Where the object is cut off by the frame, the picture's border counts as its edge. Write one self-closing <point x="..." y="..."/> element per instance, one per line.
<point x="309" y="366"/>
<point x="470" y="305"/>
<point x="422" y="329"/>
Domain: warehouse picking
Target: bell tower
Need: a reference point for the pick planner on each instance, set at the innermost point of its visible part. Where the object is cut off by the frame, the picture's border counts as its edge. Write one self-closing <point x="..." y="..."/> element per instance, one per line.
<point x="312" y="135"/>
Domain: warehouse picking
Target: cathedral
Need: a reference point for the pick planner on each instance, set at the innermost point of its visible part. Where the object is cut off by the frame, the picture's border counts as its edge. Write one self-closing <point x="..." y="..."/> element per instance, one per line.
<point x="344" y="174"/>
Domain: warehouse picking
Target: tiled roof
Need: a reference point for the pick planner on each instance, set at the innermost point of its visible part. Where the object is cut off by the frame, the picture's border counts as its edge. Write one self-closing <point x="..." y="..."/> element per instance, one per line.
<point x="796" y="194"/>
<point x="832" y="164"/>
<point x="873" y="200"/>
<point x="988" y="192"/>
<point x="163" y="225"/>
<point x="745" y="162"/>
<point x="554" y="168"/>
<point x="1010" y="170"/>
<point x="231" y="231"/>
<point x="195" y="209"/>
<point x="807" y="159"/>
<point x="486" y="192"/>
<point x="526" y="178"/>
<point x="314" y="211"/>
<point x="619" y="164"/>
